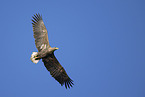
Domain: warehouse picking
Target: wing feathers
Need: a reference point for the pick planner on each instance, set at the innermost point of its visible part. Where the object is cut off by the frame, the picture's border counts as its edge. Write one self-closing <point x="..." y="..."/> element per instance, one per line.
<point x="40" y="31"/>
<point x="57" y="71"/>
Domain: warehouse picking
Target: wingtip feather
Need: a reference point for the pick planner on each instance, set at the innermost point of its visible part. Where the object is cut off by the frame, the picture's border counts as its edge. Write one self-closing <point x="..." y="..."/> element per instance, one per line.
<point x="69" y="83"/>
<point x="35" y="18"/>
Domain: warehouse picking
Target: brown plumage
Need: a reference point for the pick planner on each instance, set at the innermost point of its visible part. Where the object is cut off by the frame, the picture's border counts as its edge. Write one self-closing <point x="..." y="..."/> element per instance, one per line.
<point x="46" y="52"/>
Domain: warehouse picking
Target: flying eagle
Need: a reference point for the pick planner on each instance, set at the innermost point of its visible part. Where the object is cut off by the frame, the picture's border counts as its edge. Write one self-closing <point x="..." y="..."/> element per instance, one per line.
<point x="46" y="53"/>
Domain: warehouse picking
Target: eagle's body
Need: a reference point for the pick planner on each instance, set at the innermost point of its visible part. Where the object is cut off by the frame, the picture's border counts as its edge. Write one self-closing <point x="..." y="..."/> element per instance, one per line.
<point x="46" y="52"/>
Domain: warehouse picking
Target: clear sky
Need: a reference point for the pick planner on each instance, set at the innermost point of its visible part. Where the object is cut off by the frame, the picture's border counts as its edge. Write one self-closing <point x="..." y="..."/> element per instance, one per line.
<point x="101" y="46"/>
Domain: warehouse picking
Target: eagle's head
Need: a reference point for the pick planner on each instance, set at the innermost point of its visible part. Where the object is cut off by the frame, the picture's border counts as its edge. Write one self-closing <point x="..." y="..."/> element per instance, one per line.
<point x="53" y="49"/>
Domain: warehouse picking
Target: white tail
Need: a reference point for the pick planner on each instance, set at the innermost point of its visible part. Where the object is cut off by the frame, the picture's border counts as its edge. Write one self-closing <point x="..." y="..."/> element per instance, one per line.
<point x="33" y="57"/>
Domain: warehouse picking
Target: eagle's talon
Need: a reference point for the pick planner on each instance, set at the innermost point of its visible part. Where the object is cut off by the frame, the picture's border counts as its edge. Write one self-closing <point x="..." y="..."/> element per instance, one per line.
<point x="36" y="58"/>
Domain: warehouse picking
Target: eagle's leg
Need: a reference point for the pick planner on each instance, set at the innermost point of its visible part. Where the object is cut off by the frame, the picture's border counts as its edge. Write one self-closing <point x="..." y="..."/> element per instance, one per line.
<point x="34" y="57"/>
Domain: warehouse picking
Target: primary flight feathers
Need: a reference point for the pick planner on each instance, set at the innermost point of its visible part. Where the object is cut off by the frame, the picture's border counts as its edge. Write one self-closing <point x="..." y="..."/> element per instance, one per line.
<point x="46" y="52"/>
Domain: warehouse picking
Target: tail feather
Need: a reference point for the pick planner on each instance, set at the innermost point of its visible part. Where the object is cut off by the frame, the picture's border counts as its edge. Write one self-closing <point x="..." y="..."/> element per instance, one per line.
<point x="33" y="57"/>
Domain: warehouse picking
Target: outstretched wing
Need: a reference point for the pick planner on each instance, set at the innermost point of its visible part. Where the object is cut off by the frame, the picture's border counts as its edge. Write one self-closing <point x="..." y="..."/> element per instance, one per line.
<point x="40" y="32"/>
<point x="57" y="71"/>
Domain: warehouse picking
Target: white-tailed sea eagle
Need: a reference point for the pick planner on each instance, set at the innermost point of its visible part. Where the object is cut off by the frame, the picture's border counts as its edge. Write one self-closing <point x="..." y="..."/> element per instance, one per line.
<point x="46" y="52"/>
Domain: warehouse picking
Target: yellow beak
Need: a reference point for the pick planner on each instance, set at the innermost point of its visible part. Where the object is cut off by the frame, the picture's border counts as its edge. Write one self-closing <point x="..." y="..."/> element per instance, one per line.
<point x="57" y="48"/>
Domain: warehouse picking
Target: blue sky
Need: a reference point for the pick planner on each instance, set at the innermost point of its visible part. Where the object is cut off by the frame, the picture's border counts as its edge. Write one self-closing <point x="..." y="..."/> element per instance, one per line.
<point x="101" y="46"/>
